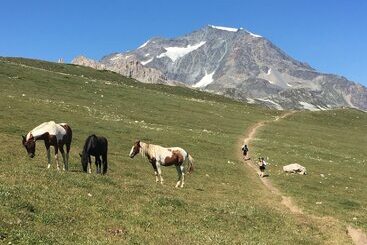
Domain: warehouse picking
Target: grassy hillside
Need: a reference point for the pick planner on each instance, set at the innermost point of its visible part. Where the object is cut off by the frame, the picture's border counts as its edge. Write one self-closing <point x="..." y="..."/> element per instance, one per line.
<point x="223" y="202"/>
<point x="332" y="146"/>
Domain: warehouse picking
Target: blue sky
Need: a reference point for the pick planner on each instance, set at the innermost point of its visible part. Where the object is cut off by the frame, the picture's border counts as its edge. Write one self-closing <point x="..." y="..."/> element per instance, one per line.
<point x="330" y="35"/>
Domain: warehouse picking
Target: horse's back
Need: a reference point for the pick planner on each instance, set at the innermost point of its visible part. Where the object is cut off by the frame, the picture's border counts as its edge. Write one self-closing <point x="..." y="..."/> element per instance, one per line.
<point x="52" y="128"/>
<point x="181" y="150"/>
<point x="103" y="139"/>
<point x="99" y="145"/>
<point x="103" y="142"/>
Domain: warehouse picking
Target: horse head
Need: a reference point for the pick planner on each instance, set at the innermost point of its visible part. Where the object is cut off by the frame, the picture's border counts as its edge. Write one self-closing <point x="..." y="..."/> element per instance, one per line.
<point x="135" y="149"/>
<point x="30" y="145"/>
<point x="84" y="160"/>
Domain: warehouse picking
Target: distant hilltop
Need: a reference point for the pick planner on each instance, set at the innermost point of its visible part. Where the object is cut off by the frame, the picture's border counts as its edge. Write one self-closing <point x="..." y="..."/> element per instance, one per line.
<point x="237" y="63"/>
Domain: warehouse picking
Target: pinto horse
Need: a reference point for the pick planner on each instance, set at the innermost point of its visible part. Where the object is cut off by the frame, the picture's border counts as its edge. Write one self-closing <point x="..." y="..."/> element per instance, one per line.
<point x="158" y="155"/>
<point x="53" y="134"/>
<point x="95" y="146"/>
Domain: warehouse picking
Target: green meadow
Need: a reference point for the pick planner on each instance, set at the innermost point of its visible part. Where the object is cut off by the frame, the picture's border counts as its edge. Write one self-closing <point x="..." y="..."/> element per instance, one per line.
<point x="332" y="145"/>
<point x="223" y="201"/>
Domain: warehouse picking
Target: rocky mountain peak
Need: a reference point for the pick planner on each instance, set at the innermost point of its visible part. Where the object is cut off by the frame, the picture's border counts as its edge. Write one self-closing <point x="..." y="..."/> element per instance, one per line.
<point x="237" y="63"/>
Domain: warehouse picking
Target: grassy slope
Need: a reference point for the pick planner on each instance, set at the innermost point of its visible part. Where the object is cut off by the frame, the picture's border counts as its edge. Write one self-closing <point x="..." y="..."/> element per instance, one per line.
<point x="222" y="202"/>
<point x="332" y="144"/>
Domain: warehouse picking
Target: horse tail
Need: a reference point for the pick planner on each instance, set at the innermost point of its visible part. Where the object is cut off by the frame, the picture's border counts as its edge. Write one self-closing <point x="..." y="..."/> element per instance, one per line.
<point x="191" y="163"/>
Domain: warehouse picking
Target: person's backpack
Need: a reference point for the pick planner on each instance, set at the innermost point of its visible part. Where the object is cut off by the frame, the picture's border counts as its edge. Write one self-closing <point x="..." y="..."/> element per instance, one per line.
<point x="245" y="149"/>
<point x="263" y="162"/>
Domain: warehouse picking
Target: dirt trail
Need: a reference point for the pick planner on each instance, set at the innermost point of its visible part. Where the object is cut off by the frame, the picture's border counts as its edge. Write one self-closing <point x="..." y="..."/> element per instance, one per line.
<point x="357" y="235"/>
<point x="286" y="201"/>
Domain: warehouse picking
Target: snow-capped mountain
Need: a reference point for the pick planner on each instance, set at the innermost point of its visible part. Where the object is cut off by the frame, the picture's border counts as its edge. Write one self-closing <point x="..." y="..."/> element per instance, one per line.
<point x="236" y="63"/>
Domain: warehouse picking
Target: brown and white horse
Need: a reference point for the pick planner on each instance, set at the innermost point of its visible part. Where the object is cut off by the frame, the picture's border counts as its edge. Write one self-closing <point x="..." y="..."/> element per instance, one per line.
<point x="53" y="134"/>
<point x="158" y="155"/>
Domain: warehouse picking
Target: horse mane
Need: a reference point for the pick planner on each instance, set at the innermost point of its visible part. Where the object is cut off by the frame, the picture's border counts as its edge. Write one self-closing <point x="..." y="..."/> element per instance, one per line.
<point x="147" y="149"/>
<point x="89" y="142"/>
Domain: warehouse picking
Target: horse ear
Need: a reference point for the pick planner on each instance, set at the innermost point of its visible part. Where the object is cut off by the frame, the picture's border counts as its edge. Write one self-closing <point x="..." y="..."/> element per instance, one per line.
<point x="23" y="138"/>
<point x="80" y="155"/>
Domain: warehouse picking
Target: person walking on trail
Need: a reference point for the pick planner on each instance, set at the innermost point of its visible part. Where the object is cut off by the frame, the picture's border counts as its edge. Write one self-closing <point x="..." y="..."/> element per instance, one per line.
<point x="245" y="152"/>
<point x="262" y="166"/>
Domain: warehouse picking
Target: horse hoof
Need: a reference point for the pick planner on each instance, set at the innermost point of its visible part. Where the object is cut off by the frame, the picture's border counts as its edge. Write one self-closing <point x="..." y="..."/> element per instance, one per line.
<point x="48" y="166"/>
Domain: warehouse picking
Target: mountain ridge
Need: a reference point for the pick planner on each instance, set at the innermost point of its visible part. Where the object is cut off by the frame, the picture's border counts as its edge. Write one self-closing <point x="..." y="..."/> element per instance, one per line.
<point x="236" y="63"/>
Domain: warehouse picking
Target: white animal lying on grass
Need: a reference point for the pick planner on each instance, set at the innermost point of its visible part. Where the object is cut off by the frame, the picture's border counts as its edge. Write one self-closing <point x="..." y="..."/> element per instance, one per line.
<point x="294" y="168"/>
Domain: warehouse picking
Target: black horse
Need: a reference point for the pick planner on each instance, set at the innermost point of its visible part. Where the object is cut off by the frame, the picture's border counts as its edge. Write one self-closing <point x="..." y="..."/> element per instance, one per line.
<point x="95" y="146"/>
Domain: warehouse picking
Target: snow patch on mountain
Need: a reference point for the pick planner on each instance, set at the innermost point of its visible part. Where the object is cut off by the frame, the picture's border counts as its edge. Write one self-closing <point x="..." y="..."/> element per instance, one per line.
<point x="223" y="28"/>
<point x="144" y="44"/>
<point x="276" y="105"/>
<point x="309" y="106"/>
<point x="177" y="52"/>
<point x="147" y="61"/>
<point x="250" y="101"/>
<point x="253" y="34"/>
<point x="205" y="81"/>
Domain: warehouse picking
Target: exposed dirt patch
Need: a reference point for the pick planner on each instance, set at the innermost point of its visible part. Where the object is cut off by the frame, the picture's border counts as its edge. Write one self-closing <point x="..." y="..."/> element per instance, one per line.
<point x="357" y="235"/>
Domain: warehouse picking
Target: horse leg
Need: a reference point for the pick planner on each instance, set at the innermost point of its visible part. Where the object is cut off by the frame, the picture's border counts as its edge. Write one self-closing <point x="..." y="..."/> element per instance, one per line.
<point x="159" y="172"/>
<point x="154" y="165"/>
<point x="179" y="173"/>
<point x="48" y="154"/>
<point x="61" y="148"/>
<point x="182" y="175"/>
<point x="90" y="164"/>
<point x="104" y="159"/>
<point x="57" y="156"/>
<point x="98" y="163"/>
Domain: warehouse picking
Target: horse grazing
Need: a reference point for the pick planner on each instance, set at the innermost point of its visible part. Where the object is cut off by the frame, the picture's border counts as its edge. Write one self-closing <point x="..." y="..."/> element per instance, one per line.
<point x="158" y="155"/>
<point x="95" y="146"/>
<point x="53" y="134"/>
